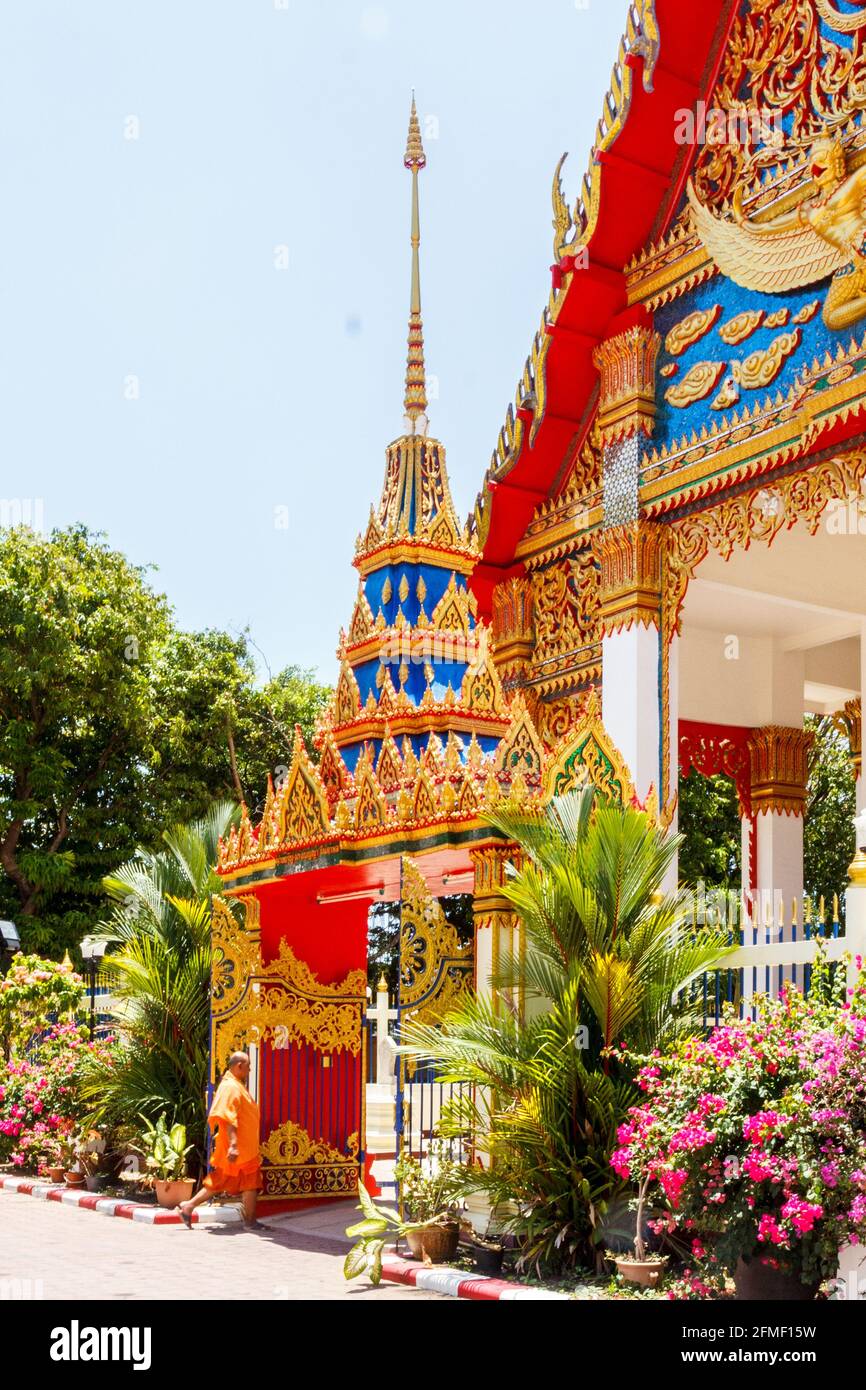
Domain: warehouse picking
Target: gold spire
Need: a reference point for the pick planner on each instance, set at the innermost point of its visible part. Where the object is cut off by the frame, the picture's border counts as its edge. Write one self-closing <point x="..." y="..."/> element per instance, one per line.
<point x="416" y="389"/>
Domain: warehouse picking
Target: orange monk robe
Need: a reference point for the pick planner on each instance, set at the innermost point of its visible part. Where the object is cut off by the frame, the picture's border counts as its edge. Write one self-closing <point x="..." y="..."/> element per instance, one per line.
<point x="233" y="1105"/>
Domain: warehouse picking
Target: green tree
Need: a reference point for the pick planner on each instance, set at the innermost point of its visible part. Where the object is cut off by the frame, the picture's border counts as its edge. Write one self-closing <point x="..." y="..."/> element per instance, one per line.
<point x="79" y="628"/>
<point x="830" y="808"/>
<point x="159" y="971"/>
<point x="609" y="963"/>
<point x="709" y="822"/>
<point x="115" y="723"/>
<point x="218" y="734"/>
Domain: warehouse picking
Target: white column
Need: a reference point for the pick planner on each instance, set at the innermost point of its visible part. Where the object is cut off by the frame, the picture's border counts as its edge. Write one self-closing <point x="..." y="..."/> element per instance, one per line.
<point x="780" y="865"/>
<point x="630" y="702"/>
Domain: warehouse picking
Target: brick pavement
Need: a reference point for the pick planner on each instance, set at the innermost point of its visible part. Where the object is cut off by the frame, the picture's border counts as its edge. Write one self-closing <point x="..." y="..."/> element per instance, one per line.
<point x="83" y="1255"/>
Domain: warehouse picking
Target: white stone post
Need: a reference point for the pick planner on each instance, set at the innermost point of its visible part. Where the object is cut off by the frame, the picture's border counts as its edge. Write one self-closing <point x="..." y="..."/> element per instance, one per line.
<point x="379" y="1138"/>
<point x="779" y="765"/>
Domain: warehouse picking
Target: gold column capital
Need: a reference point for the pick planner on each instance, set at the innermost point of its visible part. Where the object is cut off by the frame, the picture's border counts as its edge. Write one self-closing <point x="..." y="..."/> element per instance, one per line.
<point x="513" y="627"/>
<point x="779" y="759"/>
<point x="630" y="559"/>
<point x="626" y="364"/>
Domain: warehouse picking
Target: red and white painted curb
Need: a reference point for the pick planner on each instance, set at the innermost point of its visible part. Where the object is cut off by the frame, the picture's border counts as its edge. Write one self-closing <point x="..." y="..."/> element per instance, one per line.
<point x="115" y="1206"/>
<point x="436" y="1278"/>
<point x="454" y="1283"/>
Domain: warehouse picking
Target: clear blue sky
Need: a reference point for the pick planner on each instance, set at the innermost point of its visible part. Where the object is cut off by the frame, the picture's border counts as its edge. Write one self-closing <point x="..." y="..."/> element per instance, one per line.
<point x="260" y="124"/>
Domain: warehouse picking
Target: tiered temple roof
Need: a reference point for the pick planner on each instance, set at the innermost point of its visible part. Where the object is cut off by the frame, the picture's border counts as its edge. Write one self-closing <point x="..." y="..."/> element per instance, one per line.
<point x="418" y="734"/>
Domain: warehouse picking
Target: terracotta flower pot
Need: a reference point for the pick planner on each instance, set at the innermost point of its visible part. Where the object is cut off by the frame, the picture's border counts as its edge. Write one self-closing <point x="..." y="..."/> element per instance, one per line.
<point x="55" y="1174"/>
<point x="757" y="1282"/>
<point x="646" y="1273"/>
<point x="170" y="1193"/>
<point x="436" y="1242"/>
<point x="74" y="1179"/>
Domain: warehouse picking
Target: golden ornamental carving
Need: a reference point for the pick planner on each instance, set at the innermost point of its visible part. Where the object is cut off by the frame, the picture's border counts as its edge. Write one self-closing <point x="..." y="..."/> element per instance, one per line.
<point x="757" y="515"/>
<point x="290" y="1144"/>
<point x="371" y="807"/>
<point x="362" y="623"/>
<point x="424" y="806"/>
<point x="560" y="523"/>
<point x="779" y="760"/>
<point x="818" y="232"/>
<point x="587" y="755"/>
<point x="297" y="973"/>
<point x="762" y="367"/>
<point x="435" y="969"/>
<point x="741" y="327"/>
<point x="302" y="805"/>
<point x="305" y="1181"/>
<point x="282" y="1017"/>
<point x="697" y="383"/>
<point x="333" y="773"/>
<point x="454" y="611"/>
<point x="566" y="600"/>
<point x="347" y="698"/>
<point x="513" y="625"/>
<point x="520" y="748"/>
<point x="781" y="62"/>
<point x="236" y="952"/>
<point x="849" y="722"/>
<point x="808" y="312"/>
<point x="481" y="688"/>
<point x="627" y="366"/>
<point x="389" y="766"/>
<point x="415" y="510"/>
<point x="555" y="718"/>
<point x="490" y="866"/>
<point x="630" y="586"/>
<point x="691" y="329"/>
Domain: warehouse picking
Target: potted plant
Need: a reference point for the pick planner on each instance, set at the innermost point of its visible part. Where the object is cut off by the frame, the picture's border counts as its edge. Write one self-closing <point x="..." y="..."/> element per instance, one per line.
<point x="370" y="1236"/>
<point x="73" y="1172"/>
<point x="430" y="1194"/>
<point x="753" y="1138"/>
<point x="52" y="1157"/>
<point x="487" y="1250"/>
<point x="90" y="1151"/>
<point x="164" y="1150"/>
<point x="644" y="1267"/>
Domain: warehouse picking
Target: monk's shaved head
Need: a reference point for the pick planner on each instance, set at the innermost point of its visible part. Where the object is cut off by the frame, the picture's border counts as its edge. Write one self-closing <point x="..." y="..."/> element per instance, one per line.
<point x="238" y="1057"/>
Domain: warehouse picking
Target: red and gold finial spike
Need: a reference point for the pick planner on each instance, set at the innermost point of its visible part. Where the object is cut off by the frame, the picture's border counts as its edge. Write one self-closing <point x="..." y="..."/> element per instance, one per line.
<point x="416" y="378"/>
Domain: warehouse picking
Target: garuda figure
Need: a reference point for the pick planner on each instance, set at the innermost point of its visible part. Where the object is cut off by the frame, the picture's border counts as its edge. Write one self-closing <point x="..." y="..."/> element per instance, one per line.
<point x="822" y="235"/>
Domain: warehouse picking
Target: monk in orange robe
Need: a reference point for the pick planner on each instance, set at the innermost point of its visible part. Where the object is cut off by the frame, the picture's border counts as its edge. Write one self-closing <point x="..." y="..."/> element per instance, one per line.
<point x="235" y="1162"/>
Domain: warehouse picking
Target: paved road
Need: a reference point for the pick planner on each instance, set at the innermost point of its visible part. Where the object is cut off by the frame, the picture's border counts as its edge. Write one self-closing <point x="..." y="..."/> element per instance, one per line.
<point x="84" y="1255"/>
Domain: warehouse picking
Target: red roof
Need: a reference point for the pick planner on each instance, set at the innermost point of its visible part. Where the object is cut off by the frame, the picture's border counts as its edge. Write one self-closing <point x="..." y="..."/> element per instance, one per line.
<point x="642" y="180"/>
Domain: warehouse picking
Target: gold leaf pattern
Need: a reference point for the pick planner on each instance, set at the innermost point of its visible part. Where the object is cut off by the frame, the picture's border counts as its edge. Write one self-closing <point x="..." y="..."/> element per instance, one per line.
<point x="762" y="367"/>
<point x="690" y="329"/>
<point x="737" y="329"/>
<point x="697" y="383"/>
<point x="808" y="312"/>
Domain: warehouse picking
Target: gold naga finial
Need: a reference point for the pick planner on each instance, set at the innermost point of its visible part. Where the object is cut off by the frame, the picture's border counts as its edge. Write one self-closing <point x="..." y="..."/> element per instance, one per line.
<point x="415" y="401"/>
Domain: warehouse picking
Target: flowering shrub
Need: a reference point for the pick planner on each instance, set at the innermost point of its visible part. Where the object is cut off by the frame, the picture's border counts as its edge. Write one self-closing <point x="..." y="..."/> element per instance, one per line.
<point x="753" y="1138"/>
<point x="33" y="993"/>
<point x="40" y="1104"/>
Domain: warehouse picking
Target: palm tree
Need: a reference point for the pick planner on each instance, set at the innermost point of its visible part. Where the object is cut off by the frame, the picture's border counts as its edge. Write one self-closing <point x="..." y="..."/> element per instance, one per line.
<point x="160" y="979"/>
<point x="610" y="963"/>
